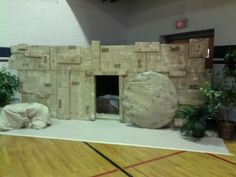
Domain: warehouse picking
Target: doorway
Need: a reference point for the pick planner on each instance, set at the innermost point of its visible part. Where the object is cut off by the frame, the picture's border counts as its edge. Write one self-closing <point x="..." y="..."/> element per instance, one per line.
<point x="107" y="97"/>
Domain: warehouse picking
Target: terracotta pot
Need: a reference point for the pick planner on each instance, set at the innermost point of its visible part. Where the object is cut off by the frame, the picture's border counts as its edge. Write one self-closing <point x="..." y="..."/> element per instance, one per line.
<point x="226" y="130"/>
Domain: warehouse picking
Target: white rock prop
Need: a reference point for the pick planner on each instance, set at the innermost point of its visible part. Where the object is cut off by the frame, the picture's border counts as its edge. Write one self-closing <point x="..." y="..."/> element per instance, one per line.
<point x="150" y="100"/>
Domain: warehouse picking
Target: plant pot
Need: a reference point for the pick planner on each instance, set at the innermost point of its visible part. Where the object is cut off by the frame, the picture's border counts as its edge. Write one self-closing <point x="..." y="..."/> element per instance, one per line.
<point x="199" y="129"/>
<point x="3" y="99"/>
<point x="226" y="130"/>
<point x="231" y="114"/>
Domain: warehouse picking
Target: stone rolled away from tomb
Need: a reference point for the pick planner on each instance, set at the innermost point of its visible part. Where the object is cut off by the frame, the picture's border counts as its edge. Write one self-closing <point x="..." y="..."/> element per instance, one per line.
<point x="150" y="100"/>
<point x="24" y="115"/>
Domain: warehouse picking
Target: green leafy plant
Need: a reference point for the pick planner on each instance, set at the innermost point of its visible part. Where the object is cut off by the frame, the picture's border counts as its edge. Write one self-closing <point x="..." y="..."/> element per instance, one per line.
<point x="196" y="119"/>
<point x="220" y="98"/>
<point x="9" y="84"/>
<point x="230" y="64"/>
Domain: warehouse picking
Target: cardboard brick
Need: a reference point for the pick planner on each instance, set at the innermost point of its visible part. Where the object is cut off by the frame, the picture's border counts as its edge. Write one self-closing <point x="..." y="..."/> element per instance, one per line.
<point x="63" y="78"/>
<point x="196" y="80"/>
<point x="63" y="94"/>
<point x="95" y="62"/>
<point x="79" y="96"/>
<point x="155" y="63"/>
<point x="34" y="53"/>
<point x="175" y="55"/>
<point x="179" y="73"/>
<point x="186" y="101"/>
<point x="37" y="81"/>
<point x="180" y="82"/>
<point x="19" y="49"/>
<point x="121" y="92"/>
<point x="92" y="90"/>
<point x="20" y="62"/>
<point x="147" y="46"/>
<point x="65" y="55"/>
<point x="42" y="63"/>
<point x="64" y="67"/>
<point x="196" y="65"/>
<point x="69" y="55"/>
<point x="198" y="48"/>
<point x="85" y="60"/>
<point x="122" y="58"/>
<point x="191" y="94"/>
<point x="63" y="103"/>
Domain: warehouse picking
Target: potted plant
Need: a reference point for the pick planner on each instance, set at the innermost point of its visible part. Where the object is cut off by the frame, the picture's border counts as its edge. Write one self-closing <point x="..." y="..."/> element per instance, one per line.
<point x="9" y="84"/>
<point x="230" y="65"/>
<point x="196" y="120"/>
<point x="221" y="99"/>
<point x="226" y="126"/>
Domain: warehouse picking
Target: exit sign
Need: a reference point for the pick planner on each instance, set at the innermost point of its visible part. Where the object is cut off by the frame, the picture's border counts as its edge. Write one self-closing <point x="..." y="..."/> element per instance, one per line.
<point x="180" y="24"/>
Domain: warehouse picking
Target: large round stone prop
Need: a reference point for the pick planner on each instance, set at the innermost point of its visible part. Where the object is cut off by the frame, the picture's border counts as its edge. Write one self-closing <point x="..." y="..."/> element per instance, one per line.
<point x="150" y="100"/>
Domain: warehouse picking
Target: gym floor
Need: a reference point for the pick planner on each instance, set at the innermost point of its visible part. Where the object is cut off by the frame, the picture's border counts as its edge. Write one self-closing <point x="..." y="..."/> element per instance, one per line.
<point x="36" y="157"/>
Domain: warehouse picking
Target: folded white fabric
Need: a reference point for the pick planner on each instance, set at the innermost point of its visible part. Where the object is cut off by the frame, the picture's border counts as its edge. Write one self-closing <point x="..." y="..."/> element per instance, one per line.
<point x="24" y="115"/>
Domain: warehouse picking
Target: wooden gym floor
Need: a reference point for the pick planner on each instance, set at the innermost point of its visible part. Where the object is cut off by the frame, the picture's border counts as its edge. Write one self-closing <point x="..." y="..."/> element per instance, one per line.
<point x="35" y="157"/>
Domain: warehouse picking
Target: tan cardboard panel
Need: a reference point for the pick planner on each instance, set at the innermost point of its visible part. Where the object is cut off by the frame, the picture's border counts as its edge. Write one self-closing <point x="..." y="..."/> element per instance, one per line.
<point x="175" y="55"/>
<point x="196" y="80"/>
<point x="186" y="101"/>
<point x="79" y="96"/>
<point x="42" y="63"/>
<point x="92" y="95"/>
<point x="85" y="60"/>
<point x="191" y="94"/>
<point x="19" y="61"/>
<point x="37" y="81"/>
<point x="196" y="65"/>
<point x="198" y="48"/>
<point x="64" y="67"/>
<point x="155" y="63"/>
<point x="96" y="49"/>
<point x="69" y="55"/>
<point x="95" y="64"/>
<point x="147" y="46"/>
<point x="63" y="79"/>
<point x="190" y="97"/>
<point x="122" y="58"/>
<point x="63" y="103"/>
<point x="65" y="55"/>
<point x="180" y="73"/>
<point x="34" y="53"/>
<point x="121" y="92"/>
<point x="19" y="49"/>
<point x="180" y="82"/>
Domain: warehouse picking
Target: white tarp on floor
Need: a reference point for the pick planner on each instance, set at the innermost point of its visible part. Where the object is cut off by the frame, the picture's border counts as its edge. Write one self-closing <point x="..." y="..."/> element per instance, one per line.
<point x="114" y="132"/>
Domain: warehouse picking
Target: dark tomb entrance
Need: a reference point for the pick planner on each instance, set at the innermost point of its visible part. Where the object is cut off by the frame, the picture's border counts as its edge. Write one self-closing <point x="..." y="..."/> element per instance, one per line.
<point x="107" y="94"/>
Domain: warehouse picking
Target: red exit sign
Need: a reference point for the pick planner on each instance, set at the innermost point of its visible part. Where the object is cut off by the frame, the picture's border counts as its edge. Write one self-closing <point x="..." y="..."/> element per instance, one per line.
<point x="180" y="24"/>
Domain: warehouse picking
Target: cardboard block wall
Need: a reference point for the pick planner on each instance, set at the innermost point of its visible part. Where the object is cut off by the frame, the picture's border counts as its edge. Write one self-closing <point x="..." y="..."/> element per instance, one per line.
<point x="63" y="77"/>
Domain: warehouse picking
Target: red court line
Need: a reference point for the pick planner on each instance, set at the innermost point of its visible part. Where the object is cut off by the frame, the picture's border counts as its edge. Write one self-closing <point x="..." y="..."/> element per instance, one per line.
<point x="155" y="159"/>
<point x="141" y="163"/>
<point x="225" y="160"/>
<point x="105" y="173"/>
